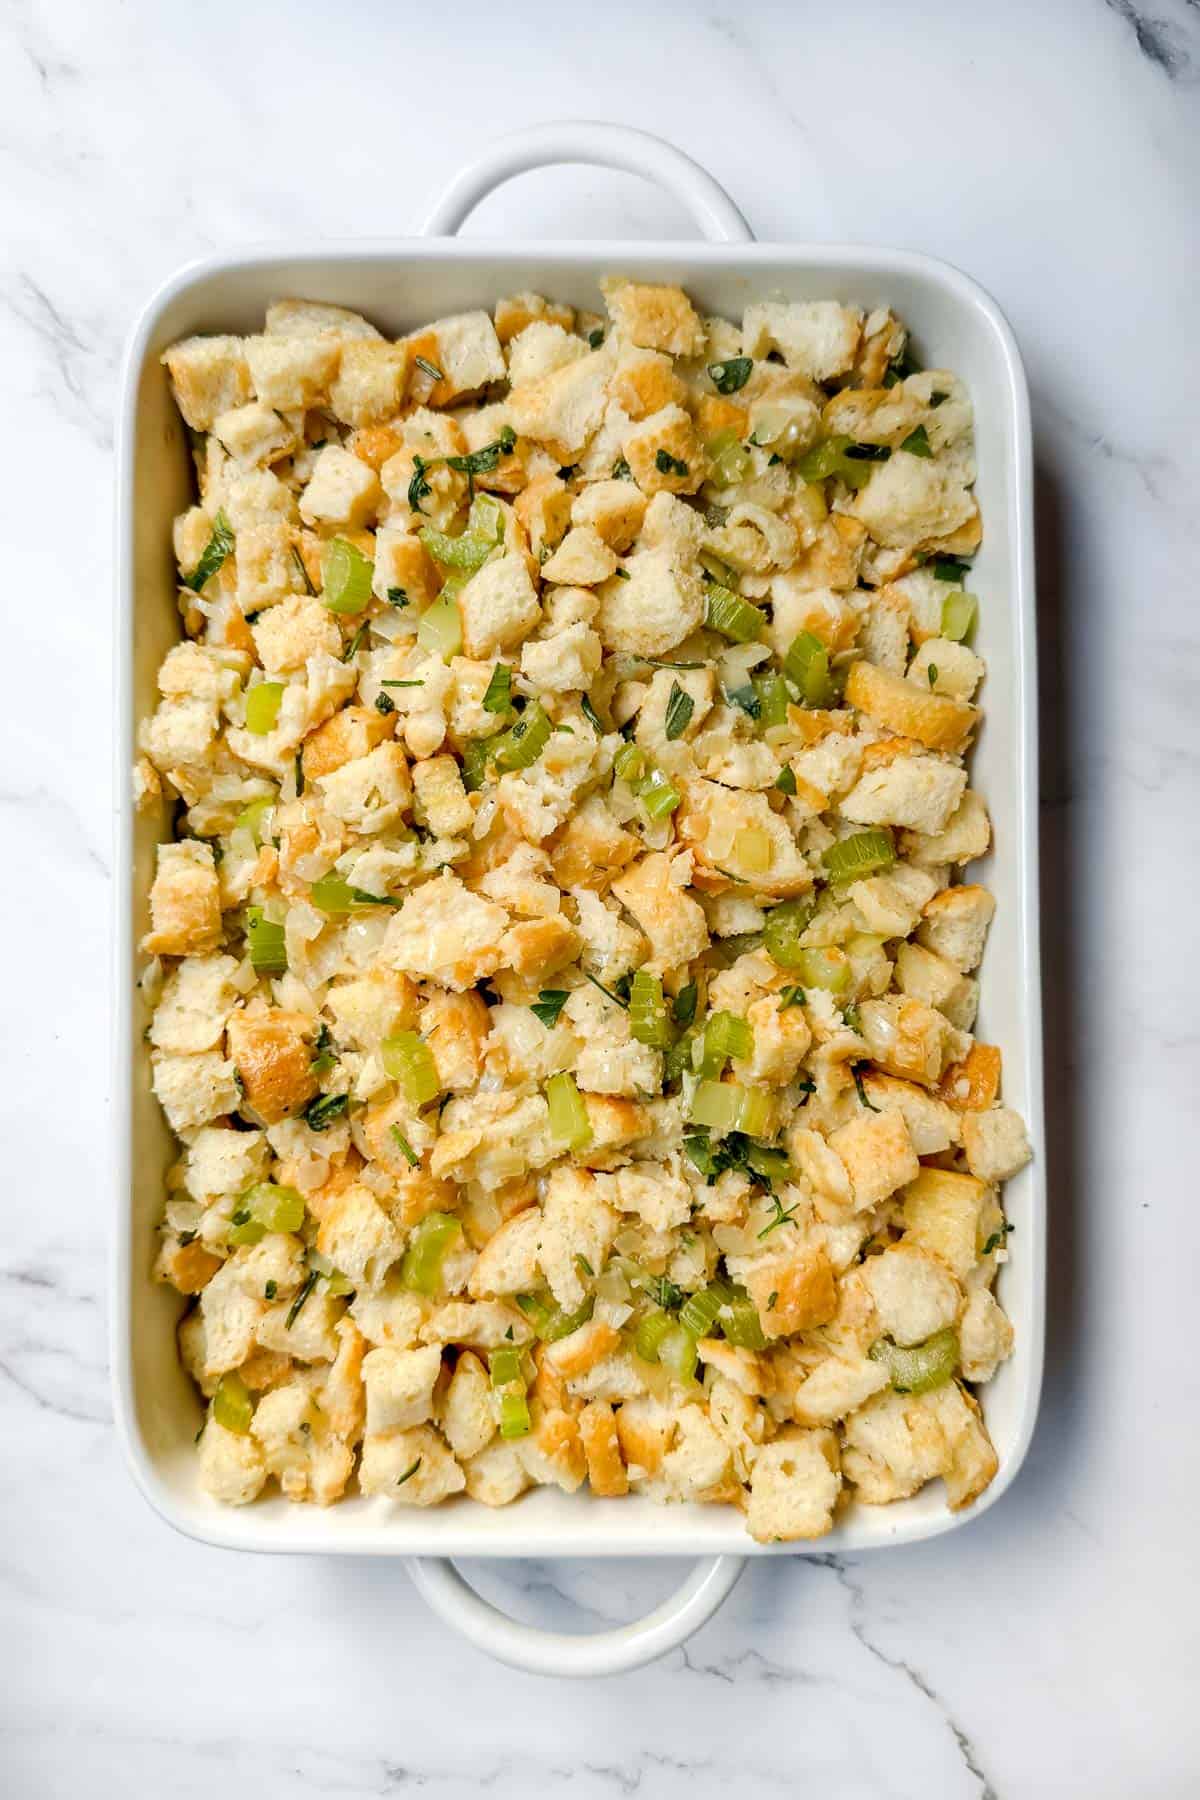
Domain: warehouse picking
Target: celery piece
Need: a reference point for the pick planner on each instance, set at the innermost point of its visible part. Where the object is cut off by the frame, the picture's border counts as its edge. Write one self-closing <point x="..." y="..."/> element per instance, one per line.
<point x="741" y="1324"/>
<point x="716" y="1104"/>
<point x="439" y="630"/>
<point x="332" y="895"/>
<point x="754" y="1112"/>
<point x="725" y="1035"/>
<point x="772" y="700"/>
<point x="559" y="1324"/>
<point x="486" y="517"/>
<point x="783" y="930"/>
<point x="630" y="764"/>
<point x="466" y="553"/>
<point x="807" y="665"/>
<point x="658" y="795"/>
<point x="648" y="1021"/>
<point x="958" y="616"/>
<point x="346" y="576"/>
<point x="863" y="853"/>
<point x="262" y="707"/>
<point x="219" y="546"/>
<point x="504" y="1365"/>
<point x="922" y="1367"/>
<point x="823" y="460"/>
<point x="732" y="616"/>
<point x="266" y="943"/>
<point x="699" y="1311"/>
<point x="514" y="1416"/>
<point x="535" y="1310"/>
<point x="729" y="460"/>
<point x="677" y="1353"/>
<point x="520" y="746"/>
<point x="652" y="1328"/>
<point x="266" y="1207"/>
<point x="408" y="1061"/>
<point x="421" y="1268"/>
<point x="253" y="818"/>
<point x="823" y="966"/>
<point x="569" y="1122"/>
<point x="476" y="752"/>
<point x="498" y="697"/>
<point x="232" y="1406"/>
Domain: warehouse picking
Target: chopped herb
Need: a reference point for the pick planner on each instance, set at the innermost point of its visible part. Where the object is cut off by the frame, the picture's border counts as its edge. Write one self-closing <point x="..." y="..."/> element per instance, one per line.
<point x="584" y="1266"/>
<point x="949" y="568"/>
<point x="680" y="707"/>
<point x="852" y="1017"/>
<point x="773" y="459"/>
<point x="483" y="462"/>
<point x="728" y="377"/>
<point x="431" y="369"/>
<point x="615" y="998"/>
<point x="782" y="1215"/>
<point x="509" y="1334"/>
<point x="772" y="1300"/>
<point x="917" y="443"/>
<point x="549" y="1005"/>
<point x="396" y="596"/>
<point x="683" y="1007"/>
<point x="664" y="1293"/>
<point x="405" y="1148"/>
<point x="271" y="1289"/>
<point x="666" y="464"/>
<point x="400" y="684"/>
<point x="996" y="1241"/>
<point x="867" y="452"/>
<point x="324" y="1054"/>
<point x="932" y="672"/>
<point x="498" y="698"/>
<point x="936" y="399"/>
<point x="320" y="1113"/>
<point x="418" y="487"/>
<point x="299" y="767"/>
<point x="596" y="338"/>
<point x="384" y="704"/>
<point x="592" y="717"/>
<point x="411" y="1471"/>
<point x="354" y="646"/>
<point x="309" y="1283"/>
<point x="621" y="574"/>
<point x="791" y="996"/>
<point x="861" y="1091"/>
<point x="364" y="897"/>
<point x="252" y="618"/>
<point x="186" y="1238"/>
<point x="806" y="1086"/>
<point x="568" y="472"/>
<point x="218" y="547"/>
<point x="302" y="567"/>
<point x="903" y="366"/>
<point x="621" y="470"/>
<point x="746" y="698"/>
<point x="785" y="781"/>
<point x="660" y="662"/>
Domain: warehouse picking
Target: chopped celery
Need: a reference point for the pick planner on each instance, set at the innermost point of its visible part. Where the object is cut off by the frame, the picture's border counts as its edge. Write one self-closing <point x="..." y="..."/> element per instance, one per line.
<point x="514" y="1416"/>
<point x="569" y="1122"/>
<point x="253" y="818"/>
<point x="346" y="576"/>
<point x="486" y="518"/>
<point x="741" y="1324"/>
<point x="716" y="1104"/>
<point x="466" y="553"/>
<point x="421" y="1269"/>
<point x="677" y="1352"/>
<point x="504" y="1365"/>
<point x="535" y="1310"/>
<point x="922" y="1367"/>
<point x="752" y="851"/>
<point x="648" y="1021"/>
<point x="439" y="630"/>
<point x="807" y="664"/>
<point x="863" y="853"/>
<point x="520" y="746"/>
<point x="408" y="1061"/>
<point x="335" y="1282"/>
<point x="824" y="966"/>
<point x="725" y="1035"/>
<point x="651" y="1330"/>
<point x="232" y="1406"/>
<point x="783" y="930"/>
<point x="265" y="1207"/>
<point x="699" y="1311"/>
<point x="732" y="616"/>
<point x="679" y="1056"/>
<point x="554" y="1323"/>
<point x="498" y="697"/>
<point x="265" y="942"/>
<point x="262" y="707"/>
<point x="754" y="1114"/>
<point x="772" y="700"/>
<point x="840" y="456"/>
<point x="770" y="1165"/>
<point x="630" y="763"/>
<point x="476" y="752"/>
<point x="958" y="616"/>
<point x="658" y="794"/>
<point x="332" y="895"/>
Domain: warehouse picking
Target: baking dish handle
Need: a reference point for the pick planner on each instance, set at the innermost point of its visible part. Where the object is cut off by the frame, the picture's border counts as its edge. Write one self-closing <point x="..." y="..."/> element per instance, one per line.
<point x="556" y="1653"/>
<point x="609" y="147"/>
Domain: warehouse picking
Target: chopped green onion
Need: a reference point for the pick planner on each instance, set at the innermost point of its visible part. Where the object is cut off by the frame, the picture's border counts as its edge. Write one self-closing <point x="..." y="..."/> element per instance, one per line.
<point x="405" y="1148"/>
<point x="684" y="1007"/>
<point x="917" y="443"/>
<point x="741" y="1324"/>
<point x="807" y="664"/>
<point x="652" y="1328"/>
<point x="727" y="377"/>
<point x="648" y="1021"/>
<point x="504" y="1365"/>
<point x="346" y="577"/>
<point x="498" y="698"/>
<point x="520" y="746"/>
<point x="252" y="817"/>
<point x="569" y="1122"/>
<point x="658" y="795"/>
<point x="785" y="781"/>
<point x="262" y="707"/>
<point x="725" y="1036"/>
<point x="467" y="553"/>
<point x="699" y="1311"/>
<point x="439" y="630"/>
<point x="785" y="925"/>
<point x="408" y="1061"/>
<point x="732" y="616"/>
<point x="863" y="853"/>
<point x="266" y="943"/>
<point x="958" y="616"/>
<point x="549" y="1005"/>
<point x="919" y="1368"/>
<point x="677" y="1353"/>
<point x="680" y="707"/>
<point x="421" y="1267"/>
<point x="232" y="1406"/>
<point x="320" y="1113"/>
<point x="514" y="1416"/>
<point x="219" y="546"/>
<point x="824" y="967"/>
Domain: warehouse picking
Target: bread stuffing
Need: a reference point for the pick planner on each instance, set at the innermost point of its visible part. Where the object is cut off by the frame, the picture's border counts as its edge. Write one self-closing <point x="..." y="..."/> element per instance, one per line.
<point x="563" y="954"/>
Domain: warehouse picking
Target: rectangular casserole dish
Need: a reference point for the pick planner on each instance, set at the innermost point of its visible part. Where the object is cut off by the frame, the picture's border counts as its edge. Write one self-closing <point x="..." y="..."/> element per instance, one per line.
<point x="400" y="284"/>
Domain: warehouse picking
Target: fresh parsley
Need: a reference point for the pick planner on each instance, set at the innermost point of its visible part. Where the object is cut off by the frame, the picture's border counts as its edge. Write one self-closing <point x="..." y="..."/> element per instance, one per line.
<point x="396" y="596"/>
<point x="483" y="462"/>
<point x="791" y="996"/>
<point x="218" y="547"/>
<point x="324" y="1055"/>
<point x="932" y="673"/>
<point x="666" y="464"/>
<point x="949" y="568"/>
<point x="299" y="768"/>
<point x="728" y="377"/>
<point x="418" y="487"/>
<point x="270" y="1291"/>
<point x="867" y="452"/>
<point x="917" y="443"/>
<point x="997" y="1239"/>
<point x="785" y="781"/>
<point x="680" y="707"/>
<point x="549" y="1005"/>
<point x="782" y="1215"/>
<point x="621" y="470"/>
<point x="746" y="698"/>
<point x="384" y="704"/>
<point x="320" y="1113"/>
<point x="596" y="337"/>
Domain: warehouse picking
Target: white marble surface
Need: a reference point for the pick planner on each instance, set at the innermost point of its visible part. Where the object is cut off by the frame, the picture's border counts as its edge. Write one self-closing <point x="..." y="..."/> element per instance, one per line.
<point x="1054" y="151"/>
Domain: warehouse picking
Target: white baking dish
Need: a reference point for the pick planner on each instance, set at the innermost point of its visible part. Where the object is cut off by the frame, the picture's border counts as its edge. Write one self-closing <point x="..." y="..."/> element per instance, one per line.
<point x="400" y="284"/>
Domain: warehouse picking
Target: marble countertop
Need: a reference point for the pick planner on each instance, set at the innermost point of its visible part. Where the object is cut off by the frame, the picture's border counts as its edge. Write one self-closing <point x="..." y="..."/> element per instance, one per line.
<point x="1053" y="150"/>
